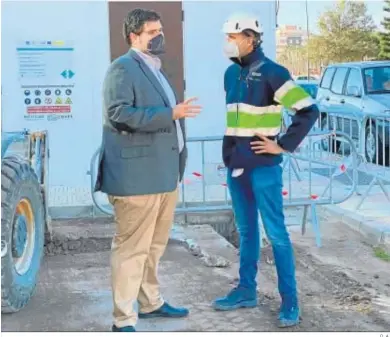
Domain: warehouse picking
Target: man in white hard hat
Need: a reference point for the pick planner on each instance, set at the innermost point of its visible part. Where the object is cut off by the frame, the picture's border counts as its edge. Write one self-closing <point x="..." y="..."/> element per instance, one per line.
<point x="257" y="89"/>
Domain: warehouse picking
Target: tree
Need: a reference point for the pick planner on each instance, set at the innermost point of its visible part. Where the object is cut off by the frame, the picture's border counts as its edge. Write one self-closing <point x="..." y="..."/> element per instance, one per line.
<point x="346" y="33"/>
<point x="294" y="59"/>
<point x="384" y="37"/>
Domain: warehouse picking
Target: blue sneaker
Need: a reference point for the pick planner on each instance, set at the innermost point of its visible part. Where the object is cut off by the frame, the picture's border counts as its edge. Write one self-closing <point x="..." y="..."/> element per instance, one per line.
<point x="289" y="314"/>
<point x="123" y="329"/>
<point x="166" y="310"/>
<point x="237" y="298"/>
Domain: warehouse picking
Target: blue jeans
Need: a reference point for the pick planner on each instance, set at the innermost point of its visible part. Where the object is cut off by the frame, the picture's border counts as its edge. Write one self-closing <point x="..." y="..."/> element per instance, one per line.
<point x="257" y="190"/>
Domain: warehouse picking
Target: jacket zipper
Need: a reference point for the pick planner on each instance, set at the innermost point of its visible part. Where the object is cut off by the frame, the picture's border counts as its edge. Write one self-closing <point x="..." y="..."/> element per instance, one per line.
<point x="239" y="93"/>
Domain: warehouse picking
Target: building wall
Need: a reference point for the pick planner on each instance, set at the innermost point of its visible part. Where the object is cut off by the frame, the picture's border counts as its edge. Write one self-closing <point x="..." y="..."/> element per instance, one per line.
<point x="85" y="27"/>
<point x="289" y="35"/>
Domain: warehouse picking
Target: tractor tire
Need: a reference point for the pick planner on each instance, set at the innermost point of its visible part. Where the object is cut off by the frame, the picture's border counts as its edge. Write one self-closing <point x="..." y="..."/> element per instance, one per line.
<point x="22" y="233"/>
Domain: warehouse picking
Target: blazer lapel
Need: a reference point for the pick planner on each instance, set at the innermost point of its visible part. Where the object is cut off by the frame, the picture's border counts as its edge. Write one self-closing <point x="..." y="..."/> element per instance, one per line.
<point x="149" y="74"/>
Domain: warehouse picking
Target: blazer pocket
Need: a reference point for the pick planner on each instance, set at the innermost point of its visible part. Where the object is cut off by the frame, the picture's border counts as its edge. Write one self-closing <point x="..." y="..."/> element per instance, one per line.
<point x="137" y="152"/>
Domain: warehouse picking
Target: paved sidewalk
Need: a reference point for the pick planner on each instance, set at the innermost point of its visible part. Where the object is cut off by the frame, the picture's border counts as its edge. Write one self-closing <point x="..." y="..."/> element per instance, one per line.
<point x="372" y="218"/>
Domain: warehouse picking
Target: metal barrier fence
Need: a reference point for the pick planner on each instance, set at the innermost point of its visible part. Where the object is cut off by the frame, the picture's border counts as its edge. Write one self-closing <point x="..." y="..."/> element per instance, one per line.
<point x="310" y="177"/>
<point x="371" y="136"/>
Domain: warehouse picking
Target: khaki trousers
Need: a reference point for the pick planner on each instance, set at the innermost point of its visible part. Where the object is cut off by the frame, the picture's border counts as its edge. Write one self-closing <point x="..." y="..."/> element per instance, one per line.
<point x="143" y="224"/>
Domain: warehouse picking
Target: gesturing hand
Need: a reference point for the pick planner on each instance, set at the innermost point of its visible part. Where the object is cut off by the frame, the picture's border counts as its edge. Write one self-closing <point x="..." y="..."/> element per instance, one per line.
<point x="186" y="109"/>
<point x="265" y="145"/>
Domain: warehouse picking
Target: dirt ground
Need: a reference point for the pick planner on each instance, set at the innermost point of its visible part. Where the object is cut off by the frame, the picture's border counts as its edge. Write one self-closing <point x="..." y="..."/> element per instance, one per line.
<point x="342" y="285"/>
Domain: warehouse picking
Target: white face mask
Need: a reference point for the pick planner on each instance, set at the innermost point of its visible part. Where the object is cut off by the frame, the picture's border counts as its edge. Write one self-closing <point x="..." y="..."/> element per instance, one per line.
<point x="230" y="49"/>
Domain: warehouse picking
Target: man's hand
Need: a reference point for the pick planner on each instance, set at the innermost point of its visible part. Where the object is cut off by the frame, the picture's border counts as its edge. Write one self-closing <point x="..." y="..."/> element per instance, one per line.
<point x="265" y="145"/>
<point x="186" y="109"/>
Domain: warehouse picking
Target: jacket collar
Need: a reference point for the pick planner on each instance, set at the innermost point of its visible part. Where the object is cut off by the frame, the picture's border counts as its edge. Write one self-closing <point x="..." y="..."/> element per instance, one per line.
<point x="256" y="55"/>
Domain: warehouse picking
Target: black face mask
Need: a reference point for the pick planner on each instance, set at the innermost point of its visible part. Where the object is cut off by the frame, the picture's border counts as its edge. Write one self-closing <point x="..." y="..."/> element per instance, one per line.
<point x="156" y="46"/>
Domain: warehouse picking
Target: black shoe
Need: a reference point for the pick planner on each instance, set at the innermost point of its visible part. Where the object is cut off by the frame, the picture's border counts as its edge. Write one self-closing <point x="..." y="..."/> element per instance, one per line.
<point x="128" y="328"/>
<point x="166" y="310"/>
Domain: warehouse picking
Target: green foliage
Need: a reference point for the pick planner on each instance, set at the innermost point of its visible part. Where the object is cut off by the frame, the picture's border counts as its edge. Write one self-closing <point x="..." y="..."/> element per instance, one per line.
<point x="346" y="33"/>
<point x="380" y="253"/>
<point x="384" y="37"/>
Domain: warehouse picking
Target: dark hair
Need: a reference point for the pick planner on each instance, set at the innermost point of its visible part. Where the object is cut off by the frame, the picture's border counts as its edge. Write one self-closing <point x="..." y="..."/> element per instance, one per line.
<point x="135" y="20"/>
<point x="256" y="37"/>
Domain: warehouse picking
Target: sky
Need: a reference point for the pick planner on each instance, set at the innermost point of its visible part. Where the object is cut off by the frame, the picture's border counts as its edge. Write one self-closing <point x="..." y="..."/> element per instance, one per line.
<point x="287" y="7"/>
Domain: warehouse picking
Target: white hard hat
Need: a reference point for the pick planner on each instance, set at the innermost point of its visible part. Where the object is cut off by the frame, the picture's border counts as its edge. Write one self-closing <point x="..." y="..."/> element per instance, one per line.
<point x="239" y="22"/>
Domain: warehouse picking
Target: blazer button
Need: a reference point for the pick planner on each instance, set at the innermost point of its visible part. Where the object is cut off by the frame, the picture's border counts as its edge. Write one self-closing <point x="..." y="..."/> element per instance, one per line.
<point x="174" y="148"/>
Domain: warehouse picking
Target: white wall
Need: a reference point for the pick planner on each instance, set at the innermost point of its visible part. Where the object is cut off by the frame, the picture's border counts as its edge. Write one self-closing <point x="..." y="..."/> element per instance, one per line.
<point x="205" y="64"/>
<point x="72" y="142"/>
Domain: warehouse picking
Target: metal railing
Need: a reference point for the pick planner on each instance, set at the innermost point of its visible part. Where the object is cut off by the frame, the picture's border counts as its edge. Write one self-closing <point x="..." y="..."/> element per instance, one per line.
<point x="204" y="189"/>
<point x="371" y="135"/>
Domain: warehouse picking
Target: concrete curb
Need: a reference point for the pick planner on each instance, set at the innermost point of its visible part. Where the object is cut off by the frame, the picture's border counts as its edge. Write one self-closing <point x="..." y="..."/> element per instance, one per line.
<point x="84" y="235"/>
<point x="100" y="231"/>
<point x="374" y="232"/>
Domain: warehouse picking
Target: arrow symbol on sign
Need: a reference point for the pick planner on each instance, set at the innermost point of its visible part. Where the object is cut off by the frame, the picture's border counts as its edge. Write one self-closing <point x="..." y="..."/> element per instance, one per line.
<point x="67" y="74"/>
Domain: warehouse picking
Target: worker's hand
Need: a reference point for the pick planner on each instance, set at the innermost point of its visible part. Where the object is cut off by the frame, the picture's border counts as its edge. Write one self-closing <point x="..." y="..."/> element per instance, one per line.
<point x="186" y="109"/>
<point x="265" y="145"/>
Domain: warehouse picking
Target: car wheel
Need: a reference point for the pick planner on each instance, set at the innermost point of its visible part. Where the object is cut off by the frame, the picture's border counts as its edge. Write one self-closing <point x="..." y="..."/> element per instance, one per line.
<point x="328" y="144"/>
<point x="373" y="145"/>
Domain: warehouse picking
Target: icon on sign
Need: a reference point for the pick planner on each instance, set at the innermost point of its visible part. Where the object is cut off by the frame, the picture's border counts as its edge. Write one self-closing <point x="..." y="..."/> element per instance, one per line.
<point x="47" y="92"/>
<point x="68" y="92"/>
<point x="48" y="100"/>
<point x="37" y="92"/>
<point x="58" y="92"/>
<point x="58" y="100"/>
<point x="37" y="101"/>
<point x="67" y="74"/>
<point x="27" y="92"/>
<point x="27" y="101"/>
<point x="68" y="101"/>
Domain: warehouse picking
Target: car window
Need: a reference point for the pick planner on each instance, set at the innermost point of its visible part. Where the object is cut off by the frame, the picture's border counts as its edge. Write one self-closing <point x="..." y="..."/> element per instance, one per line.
<point x="377" y="80"/>
<point x="355" y="79"/>
<point x="338" y="80"/>
<point x="327" y="78"/>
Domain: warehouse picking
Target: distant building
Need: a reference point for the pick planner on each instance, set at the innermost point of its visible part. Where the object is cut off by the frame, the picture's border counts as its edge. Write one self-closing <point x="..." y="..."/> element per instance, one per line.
<point x="289" y="35"/>
<point x="295" y="61"/>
